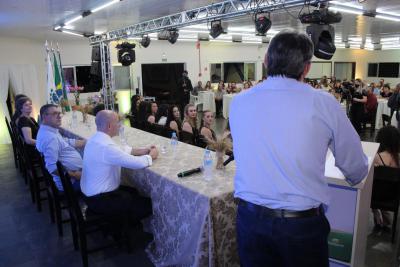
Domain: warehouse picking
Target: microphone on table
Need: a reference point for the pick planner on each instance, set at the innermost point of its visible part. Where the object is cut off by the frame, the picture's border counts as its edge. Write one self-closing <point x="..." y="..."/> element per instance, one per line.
<point x="190" y="172"/>
<point x="231" y="158"/>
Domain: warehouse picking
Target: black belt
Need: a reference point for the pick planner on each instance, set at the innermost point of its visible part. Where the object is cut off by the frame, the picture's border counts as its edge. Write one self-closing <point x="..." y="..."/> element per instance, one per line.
<point x="281" y="213"/>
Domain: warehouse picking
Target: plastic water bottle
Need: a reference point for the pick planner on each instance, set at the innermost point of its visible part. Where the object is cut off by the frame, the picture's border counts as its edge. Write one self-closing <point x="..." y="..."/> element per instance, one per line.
<point x="174" y="142"/>
<point x="207" y="165"/>
<point x="122" y="135"/>
<point x="74" y="119"/>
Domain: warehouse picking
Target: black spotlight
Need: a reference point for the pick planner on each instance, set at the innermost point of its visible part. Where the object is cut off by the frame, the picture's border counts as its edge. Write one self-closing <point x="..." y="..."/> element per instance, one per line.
<point x="145" y="42"/>
<point x="323" y="38"/>
<point x="173" y="35"/>
<point x="216" y="28"/>
<point x="321" y="33"/>
<point x="262" y="23"/>
<point x="126" y="54"/>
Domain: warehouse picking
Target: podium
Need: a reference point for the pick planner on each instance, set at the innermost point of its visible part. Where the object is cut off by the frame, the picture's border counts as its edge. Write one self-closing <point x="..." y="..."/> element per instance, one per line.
<point x="348" y="213"/>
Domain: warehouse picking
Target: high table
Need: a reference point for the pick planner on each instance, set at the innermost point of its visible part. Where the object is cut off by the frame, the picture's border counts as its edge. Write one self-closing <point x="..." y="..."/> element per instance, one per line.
<point x="381" y="109"/>
<point x="193" y="220"/>
<point x="208" y="100"/>
<point x="226" y="103"/>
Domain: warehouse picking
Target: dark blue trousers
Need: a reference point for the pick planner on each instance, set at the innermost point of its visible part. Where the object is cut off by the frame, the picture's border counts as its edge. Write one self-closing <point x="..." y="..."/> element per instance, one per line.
<point x="286" y="242"/>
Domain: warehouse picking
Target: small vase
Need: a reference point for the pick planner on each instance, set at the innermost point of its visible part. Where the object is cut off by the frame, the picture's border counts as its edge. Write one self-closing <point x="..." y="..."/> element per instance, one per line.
<point x="220" y="159"/>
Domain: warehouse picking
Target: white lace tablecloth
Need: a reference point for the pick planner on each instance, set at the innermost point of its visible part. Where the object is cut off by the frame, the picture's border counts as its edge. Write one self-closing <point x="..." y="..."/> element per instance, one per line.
<point x="208" y="100"/>
<point x="382" y="109"/>
<point x="226" y="103"/>
<point x="193" y="220"/>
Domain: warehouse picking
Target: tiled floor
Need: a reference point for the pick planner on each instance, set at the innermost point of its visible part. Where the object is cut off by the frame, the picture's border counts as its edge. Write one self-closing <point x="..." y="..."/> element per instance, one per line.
<point x="27" y="238"/>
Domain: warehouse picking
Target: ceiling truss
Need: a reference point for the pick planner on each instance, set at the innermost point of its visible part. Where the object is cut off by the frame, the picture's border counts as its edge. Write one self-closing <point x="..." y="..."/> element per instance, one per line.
<point x="221" y="10"/>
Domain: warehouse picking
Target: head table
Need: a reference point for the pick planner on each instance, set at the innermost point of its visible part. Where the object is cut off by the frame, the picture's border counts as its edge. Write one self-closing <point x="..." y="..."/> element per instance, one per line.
<point x="193" y="220"/>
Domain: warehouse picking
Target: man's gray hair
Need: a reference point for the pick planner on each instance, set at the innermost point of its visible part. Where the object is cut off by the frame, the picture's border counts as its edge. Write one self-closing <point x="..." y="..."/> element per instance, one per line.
<point x="288" y="54"/>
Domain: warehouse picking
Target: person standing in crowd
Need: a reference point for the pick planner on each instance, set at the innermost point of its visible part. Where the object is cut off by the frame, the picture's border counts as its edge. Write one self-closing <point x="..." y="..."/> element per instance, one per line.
<point x="101" y="181"/>
<point x="386" y="91"/>
<point x="208" y="86"/>
<point x="184" y="89"/>
<point x="56" y="148"/>
<point x="219" y="94"/>
<point x="357" y="107"/>
<point x="388" y="155"/>
<point x="198" y="88"/>
<point x="280" y="180"/>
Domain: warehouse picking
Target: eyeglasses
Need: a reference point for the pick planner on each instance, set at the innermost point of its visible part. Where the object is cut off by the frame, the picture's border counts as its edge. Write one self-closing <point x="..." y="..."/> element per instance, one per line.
<point x="55" y="113"/>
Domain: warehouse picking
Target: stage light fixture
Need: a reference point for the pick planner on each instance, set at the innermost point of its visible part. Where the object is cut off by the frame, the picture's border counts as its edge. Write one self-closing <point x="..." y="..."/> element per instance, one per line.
<point x="262" y="23"/>
<point x="216" y="28"/>
<point x="126" y="54"/>
<point x="320" y="31"/>
<point x="173" y="35"/>
<point x="145" y="42"/>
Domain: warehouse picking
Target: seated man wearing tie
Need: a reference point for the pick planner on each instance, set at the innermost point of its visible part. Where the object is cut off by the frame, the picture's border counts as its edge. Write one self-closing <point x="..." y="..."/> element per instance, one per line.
<point x="102" y="162"/>
<point x="55" y="148"/>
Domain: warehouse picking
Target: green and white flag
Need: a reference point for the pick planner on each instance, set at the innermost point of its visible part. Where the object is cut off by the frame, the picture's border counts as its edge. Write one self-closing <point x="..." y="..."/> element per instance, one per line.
<point x="51" y="88"/>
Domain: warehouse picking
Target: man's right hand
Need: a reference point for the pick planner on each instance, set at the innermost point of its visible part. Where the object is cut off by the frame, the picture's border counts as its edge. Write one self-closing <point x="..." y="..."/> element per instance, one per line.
<point x="153" y="153"/>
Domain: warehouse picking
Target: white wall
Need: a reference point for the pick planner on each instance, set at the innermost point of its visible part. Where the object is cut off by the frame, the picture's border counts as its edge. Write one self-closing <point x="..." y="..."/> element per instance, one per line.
<point x="210" y="52"/>
<point x="27" y="51"/>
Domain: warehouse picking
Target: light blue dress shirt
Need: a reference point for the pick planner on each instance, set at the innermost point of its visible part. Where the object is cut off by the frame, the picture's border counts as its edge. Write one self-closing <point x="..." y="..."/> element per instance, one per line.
<point x="55" y="148"/>
<point x="281" y="132"/>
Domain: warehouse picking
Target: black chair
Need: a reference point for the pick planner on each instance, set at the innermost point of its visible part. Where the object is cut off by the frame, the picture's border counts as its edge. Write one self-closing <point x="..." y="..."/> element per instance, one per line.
<point x="13" y="142"/>
<point x="386" y="192"/>
<point x="155" y="128"/>
<point x="36" y="179"/>
<point x="56" y="198"/>
<point x="386" y="119"/>
<point x="186" y="137"/>
<point x="20" y="151"/>
<point x="83" y="222"/>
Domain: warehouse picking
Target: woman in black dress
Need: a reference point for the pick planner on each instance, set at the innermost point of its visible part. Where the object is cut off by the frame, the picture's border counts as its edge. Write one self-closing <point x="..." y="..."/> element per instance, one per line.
<point x="190" y="132"/>
<point x="27" y="126"/>
<point x="174" y="122"/>
<point x="206" y="133"/>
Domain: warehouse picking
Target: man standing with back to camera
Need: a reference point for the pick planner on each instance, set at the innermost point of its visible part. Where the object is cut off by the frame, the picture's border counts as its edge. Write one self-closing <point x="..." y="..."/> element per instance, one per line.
<point x="281" y="130"/>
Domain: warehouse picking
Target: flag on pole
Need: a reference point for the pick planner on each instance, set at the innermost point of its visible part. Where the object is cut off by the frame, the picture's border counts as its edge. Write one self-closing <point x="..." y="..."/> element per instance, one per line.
<point x="57" y="79"/>
<point x="64" y="90"/>
<point x="51" y="89"/>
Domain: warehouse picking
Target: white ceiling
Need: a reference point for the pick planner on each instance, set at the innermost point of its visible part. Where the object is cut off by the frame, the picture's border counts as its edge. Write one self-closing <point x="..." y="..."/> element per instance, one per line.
<point x="35" y="19"/>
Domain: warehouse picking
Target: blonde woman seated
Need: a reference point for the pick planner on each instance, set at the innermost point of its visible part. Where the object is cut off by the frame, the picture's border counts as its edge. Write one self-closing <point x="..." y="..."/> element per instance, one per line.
<point x="388" y="156"/>
<point x="189" y="132"/>
<point x="206" y="133"/>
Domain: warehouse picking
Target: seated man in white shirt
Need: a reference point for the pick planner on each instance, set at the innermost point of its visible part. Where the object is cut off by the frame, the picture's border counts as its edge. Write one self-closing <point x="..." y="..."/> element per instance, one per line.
<point x="55" y="148"/>
<point x="102" y="162"/>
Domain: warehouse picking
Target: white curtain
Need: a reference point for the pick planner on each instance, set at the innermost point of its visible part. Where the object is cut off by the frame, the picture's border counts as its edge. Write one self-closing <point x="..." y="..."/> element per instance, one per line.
<point x="4" y="78"/>
<point x="24" y="80"/>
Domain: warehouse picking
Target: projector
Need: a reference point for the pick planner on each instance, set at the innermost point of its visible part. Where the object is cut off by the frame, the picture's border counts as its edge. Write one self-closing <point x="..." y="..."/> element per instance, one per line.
<point x="321" y="16"/>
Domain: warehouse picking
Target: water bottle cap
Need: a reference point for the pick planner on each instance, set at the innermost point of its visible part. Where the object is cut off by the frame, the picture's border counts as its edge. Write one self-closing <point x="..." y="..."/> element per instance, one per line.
<point x="173" y="134"/>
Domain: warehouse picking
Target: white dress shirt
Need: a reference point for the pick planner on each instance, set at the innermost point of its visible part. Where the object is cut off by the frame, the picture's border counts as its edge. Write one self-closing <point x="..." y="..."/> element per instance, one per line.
<point x="102" y="162"/>
<point x="55" y="148"/>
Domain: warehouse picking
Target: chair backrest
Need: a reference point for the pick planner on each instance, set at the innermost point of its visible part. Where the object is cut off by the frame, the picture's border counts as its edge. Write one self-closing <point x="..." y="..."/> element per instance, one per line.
<point x="155" y="128"/>
<point x="30" y="153"/>
<point x="386" y="119"/>
<point x="48" y="177"/>
<point x="10" y="132"/>
<point x="386" y="188"/>
<point x="72" y="199"/>
<point x="186" y="137"/>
